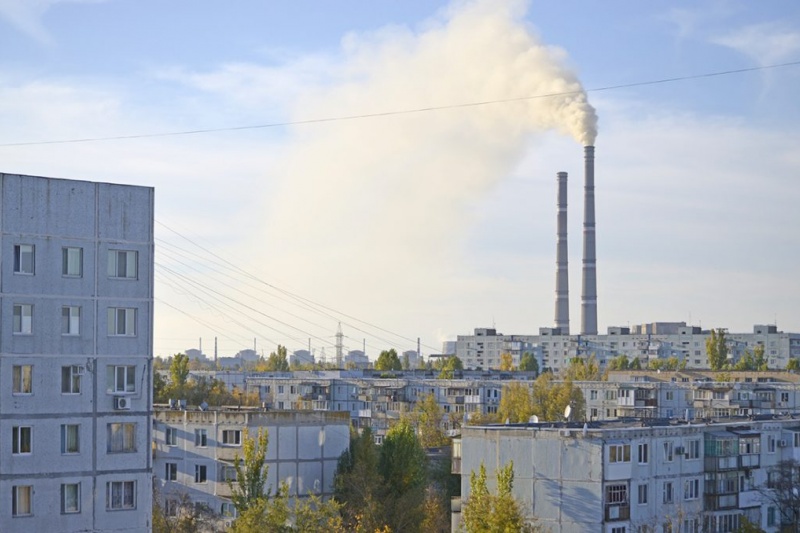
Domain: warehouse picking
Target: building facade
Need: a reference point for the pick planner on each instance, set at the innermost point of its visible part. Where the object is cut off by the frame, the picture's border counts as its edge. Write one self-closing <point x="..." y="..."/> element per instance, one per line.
<point x="76" y="313"/>
<point x="195" y="452"/>
<point x="631" y="477"/>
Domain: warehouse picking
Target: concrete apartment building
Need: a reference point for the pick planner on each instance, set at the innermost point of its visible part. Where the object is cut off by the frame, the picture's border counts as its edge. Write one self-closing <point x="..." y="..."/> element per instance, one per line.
<point x="631" y="477"/>
<point x="194" y="453"/>
<point x="658" y="340"/>
<point x="76" y="312"/>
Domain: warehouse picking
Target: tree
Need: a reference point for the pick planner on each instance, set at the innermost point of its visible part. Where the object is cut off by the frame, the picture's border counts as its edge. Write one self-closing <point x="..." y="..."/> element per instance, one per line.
<point x="583" y="369"/>
<point x="402" y="465"/>
<point x="449" y="366"/>
<point x="485" y="512"/>
<point x="506" y="362"/>
<point x="516" y="404"/>
<point x="793" y="365"/>
<point x="427" y="417"/>
<point x="619" y="362"/>
<point x="187" y="518"/>
<point x="781" y="490"/>
<point x="358" y="487"/>
<point x="388" y="360"/>
<point x="528" y="363"/>
<point x="717" y="349"/>
<point x="251" y="471"/>
<point x="635" y="364"/>
<point x="277" y="361"/>
<point x="179" y="372"/>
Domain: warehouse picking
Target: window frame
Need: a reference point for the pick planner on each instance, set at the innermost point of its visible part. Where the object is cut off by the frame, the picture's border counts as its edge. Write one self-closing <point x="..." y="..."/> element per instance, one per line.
<point x="127" y="326"/>
<point x="121" y="379"/>
<point x="71" y="380"/>
<point x="121" y="437"/>
<point x="125" y="488"/>
<point x="21" y="266"/>
<point x="71" y="320"/>
<point x="201" y="438"/>
<point x="234" y="434"/>
<point x="171" y="471"/>
<point x="667" y="493"/>
<point x="642" y="494"/>
<point x="643" y="451"/>
<point x="22" y="440"/>
<point x="15" y="500"/>
<point x="22" y="322"/>
<point x="200" y="474"/>
<point x="120" y="269"/>
<point x="619" y="453"/>
<point x="171" y="436"/>
<point x="67" y="260"/>
<point x="65" y="438"/>
<point x="76" y="509"/>
<point x="22" y="380"/>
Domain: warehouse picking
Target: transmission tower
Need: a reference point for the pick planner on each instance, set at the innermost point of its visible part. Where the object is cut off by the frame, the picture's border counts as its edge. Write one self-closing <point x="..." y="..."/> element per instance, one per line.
<point x="339" y="346"/>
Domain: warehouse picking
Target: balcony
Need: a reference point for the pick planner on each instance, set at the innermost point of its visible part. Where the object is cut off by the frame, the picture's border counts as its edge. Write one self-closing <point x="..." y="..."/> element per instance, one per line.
<point x="716" y="502"/>
<point x="618" y="512"/>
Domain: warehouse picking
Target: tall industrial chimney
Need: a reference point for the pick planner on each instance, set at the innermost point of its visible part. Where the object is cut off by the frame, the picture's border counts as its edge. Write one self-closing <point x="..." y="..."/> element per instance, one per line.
<point x="562" y="270"/>
<point x="589" y="292"/>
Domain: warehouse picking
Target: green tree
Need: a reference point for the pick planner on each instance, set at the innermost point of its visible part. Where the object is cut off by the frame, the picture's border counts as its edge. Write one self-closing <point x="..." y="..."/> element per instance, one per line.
<point x="251" y="471"/>
<point x="403" y="466"/>
<point x="179" y="372"/>
<point x="449" y="367"/>
<point x="528" y="363"/>
<point x="619" y="362"/>
<point x="759" y="359"/>
<point x="277" y="361"/>
<point x="635" y="364"/>
<point x="427" y="417"/>
<point x="717" y="349"/>
<point x="358" y="486"/>
<point x="516" y="404"/>
<point x="485" y="512"/>
<point x="388" y="360"/>
<point x="583" y="369"/>
<point x="793" y="365"/>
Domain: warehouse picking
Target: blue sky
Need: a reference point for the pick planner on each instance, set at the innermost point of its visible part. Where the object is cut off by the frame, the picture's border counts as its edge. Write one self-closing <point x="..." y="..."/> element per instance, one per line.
<point x="424" y="224"/>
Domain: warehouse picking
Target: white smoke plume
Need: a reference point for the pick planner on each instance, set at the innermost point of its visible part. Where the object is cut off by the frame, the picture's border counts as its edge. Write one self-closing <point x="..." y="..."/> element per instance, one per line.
<point x="382" y="203"/>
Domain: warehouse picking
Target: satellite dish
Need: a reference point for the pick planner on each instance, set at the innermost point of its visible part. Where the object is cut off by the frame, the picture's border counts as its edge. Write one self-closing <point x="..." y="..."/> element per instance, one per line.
<point x="567" y="411"/>
<point x="533" y="419"/>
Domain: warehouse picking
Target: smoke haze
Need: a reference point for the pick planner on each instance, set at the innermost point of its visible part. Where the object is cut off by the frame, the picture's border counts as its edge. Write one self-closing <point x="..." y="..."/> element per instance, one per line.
<point x="383" y="203"/>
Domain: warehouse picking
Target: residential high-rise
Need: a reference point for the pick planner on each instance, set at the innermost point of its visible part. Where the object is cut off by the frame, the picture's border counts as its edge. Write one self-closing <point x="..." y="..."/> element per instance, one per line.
<point x="76" y="320"/>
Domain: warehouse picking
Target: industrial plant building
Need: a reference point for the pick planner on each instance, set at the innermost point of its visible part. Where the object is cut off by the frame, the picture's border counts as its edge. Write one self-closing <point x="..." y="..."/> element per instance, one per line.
<point x="76" y="294"/>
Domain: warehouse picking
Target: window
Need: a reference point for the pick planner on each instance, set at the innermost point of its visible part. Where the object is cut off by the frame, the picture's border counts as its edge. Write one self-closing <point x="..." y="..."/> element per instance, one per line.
<point x="228" y="510"/>
<point x="171" y="436"/>
<point x="23" y="259"/>
<point x="121" y="379"/>
<point x="200" y="472"/>
<point x="644" y="453"/>
<point x="121" y="437"/>
<point x="670" y="395"/>
<point x="21" y="379"/>
<point x="70" y="498"/>
<point x="70" y="320"/>
<point x="121" y="495"/>
<point x="171" y="507"/>
<point x="668" y="449"/>
<point x="691" y="489"/>
<point x="23" y="319"/>
<point x="121" y="322"/>
<point x="667" y="494"/>
<point x="21" y="500"/>
<point x="232" y="437"/>
<point x="72" y="262"/>
<point x="693" y="449"/>
<point x="228" y="473"/>
<point x="122" y="264"/>
<point x="71" y="379"/>
<point x="691" y="525"/>
<point x="171" y="472"/>
<point x="21" y="443"/>
<point x="619" y="529"/>
<point x="619" y="453"/>
<point x="617" y="494"/>
<point x="642" y="494"/>
<point x="70" y="439"/>
<point x="200" y="438"/>
<point x="771" y="516"/>
<point x="771" y="444"/>
<point x="593" y="395"/>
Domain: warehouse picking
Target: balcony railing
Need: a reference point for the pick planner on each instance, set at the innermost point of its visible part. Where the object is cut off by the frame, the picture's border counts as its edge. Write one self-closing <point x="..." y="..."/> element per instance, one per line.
<point x="618" y="512"/>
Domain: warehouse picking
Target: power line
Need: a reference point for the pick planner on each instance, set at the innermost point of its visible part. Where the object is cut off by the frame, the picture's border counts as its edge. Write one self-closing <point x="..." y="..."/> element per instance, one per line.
<point x="401" y="112"/>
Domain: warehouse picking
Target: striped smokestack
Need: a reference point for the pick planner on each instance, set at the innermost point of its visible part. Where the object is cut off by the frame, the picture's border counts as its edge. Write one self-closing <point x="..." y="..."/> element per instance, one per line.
<point x="562" y="270"/>
<point x="589" y="293"/>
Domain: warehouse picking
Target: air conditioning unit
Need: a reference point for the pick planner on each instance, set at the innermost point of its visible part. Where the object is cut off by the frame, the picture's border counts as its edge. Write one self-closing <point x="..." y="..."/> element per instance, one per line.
<point x="78" y="370"/>
<point x="122" y="403"/>
<point x="782" y="443"/>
